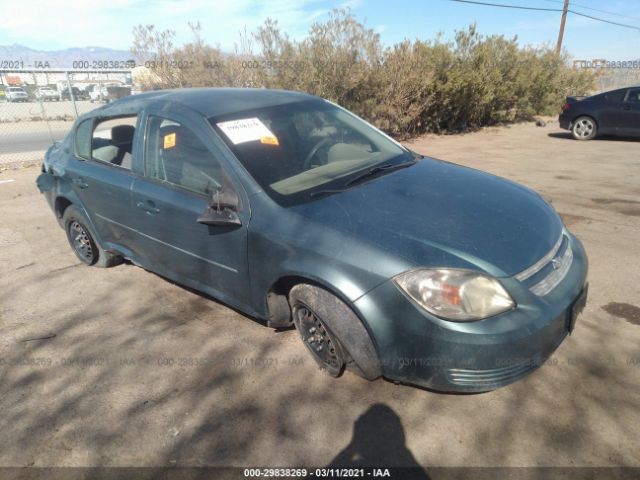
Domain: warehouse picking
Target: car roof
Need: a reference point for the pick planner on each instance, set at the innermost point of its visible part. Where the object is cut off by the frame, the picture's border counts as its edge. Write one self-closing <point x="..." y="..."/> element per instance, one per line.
<point x="210" y="102"/>
<point x="621" y="89"/>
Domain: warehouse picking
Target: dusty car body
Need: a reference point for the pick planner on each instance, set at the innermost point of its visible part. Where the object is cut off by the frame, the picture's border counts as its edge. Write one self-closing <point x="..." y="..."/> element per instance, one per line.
<point x="294" y="211"/>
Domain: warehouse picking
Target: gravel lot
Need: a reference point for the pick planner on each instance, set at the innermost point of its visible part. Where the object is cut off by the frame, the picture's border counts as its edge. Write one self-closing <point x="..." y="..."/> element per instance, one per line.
<point x="119" y="367"/>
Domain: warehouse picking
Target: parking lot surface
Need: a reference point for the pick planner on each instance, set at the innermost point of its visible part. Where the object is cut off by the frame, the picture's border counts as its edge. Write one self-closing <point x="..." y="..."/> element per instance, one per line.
<point x="119" y="367"/>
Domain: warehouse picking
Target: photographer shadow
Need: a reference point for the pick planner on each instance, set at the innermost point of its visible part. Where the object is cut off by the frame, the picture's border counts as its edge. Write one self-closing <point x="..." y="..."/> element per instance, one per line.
<point x="378" y="441"/>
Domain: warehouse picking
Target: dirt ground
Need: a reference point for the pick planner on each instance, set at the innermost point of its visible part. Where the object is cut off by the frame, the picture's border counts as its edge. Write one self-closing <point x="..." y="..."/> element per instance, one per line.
<point x="119" y="367"/>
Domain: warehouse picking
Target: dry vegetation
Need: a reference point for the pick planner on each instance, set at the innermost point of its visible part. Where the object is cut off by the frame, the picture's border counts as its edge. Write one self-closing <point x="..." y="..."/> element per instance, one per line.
<point x="406" y="89"/>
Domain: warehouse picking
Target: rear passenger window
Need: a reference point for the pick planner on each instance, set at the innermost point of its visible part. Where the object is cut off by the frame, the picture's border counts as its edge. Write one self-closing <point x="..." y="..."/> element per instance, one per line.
<point x="174" y="154"/>
<point x="112" y="141"/>
<point x="634" y="96"/>
<point x="617" y="96"/>
<point x="83" y="139"/>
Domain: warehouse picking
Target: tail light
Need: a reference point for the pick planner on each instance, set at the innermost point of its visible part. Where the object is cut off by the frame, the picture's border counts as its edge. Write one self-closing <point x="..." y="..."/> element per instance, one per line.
<point x="565" y="107"/>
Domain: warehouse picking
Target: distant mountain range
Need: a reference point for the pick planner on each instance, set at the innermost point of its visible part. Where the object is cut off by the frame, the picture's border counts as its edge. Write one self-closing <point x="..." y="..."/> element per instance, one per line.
<point x="28" y="57"/>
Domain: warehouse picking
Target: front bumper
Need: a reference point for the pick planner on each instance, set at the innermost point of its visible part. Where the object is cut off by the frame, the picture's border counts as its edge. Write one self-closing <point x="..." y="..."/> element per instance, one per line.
<point x="417" y="348"/>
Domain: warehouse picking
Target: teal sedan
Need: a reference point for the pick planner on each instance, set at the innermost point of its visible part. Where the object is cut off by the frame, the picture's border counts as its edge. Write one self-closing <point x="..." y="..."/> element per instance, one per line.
<point x="296" y="212"/>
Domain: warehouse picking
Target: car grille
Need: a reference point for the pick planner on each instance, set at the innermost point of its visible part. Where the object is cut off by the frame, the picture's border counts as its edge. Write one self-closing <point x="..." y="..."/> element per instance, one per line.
<point x="550" y="270"/>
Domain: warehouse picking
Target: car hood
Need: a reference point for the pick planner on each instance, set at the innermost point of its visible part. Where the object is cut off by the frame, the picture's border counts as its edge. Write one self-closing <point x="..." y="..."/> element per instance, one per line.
<point x="435" y="211"/>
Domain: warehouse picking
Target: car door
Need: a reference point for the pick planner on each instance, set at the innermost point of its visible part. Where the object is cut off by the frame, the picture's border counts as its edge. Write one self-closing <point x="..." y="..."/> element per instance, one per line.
<point x="103" y="187"/>
<point x="182" y="167"/>
<point x="630" y="117"/>
<point x="608" y="111"/>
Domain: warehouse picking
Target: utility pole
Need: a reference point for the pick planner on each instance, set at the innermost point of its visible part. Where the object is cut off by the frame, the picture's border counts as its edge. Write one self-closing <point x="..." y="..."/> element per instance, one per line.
<point x="562" y="23"/>
<point x="71" y="95"/>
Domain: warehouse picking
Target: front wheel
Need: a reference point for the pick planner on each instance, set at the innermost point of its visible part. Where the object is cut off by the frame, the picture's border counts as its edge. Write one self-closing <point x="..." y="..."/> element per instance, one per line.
<point x="584" y="128"/>
<point x="324" y="346"/>
<point x="332" y="332"/>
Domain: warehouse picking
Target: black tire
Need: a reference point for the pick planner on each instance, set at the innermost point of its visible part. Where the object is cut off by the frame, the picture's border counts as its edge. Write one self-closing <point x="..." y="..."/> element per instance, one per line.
<point x="584" y="128"/>
<point x="323" y="320"/>
<point x="82" y="240"/>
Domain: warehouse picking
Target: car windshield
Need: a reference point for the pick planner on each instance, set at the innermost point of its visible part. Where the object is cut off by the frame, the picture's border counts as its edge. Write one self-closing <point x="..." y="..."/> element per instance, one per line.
<point x="295" y="149"/>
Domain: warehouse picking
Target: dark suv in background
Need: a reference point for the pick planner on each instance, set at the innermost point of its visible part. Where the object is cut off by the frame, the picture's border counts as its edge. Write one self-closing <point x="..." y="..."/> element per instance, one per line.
<point x="77" y="94"/>
<point x="611" y="113"/>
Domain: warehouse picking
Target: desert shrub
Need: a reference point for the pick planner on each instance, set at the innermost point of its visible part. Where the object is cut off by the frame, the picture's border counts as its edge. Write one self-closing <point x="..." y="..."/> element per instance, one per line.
<point x="405" y="89"/>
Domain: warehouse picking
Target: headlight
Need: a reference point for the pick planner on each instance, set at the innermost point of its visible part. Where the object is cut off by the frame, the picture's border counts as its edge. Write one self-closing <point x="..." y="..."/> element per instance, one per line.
<point x="459" y="295"/>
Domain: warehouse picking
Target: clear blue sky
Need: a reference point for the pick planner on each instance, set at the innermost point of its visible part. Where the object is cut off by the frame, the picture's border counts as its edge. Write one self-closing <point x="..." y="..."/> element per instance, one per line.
<point x="44" y="25"/>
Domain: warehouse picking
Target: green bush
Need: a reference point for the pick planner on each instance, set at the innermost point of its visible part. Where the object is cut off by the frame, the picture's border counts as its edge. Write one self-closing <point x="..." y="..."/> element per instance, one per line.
<point x="406" y="89"/>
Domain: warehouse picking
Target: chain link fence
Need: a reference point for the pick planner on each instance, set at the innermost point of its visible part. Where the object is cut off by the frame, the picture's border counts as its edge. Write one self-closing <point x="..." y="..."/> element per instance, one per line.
<point x="614" y="79"/>
<point x="37" y="108"/>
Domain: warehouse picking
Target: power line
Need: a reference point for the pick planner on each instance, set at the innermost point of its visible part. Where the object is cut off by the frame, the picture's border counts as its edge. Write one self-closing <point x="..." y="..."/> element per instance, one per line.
<point x="605" y="21"/>
<point x="519" y="7"/>
<point x="508" y="6"/>
<point x="597" y="10"/>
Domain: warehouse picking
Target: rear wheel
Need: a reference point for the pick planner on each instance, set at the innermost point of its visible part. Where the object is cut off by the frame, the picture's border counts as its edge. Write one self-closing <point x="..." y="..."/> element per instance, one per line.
<point x="82" y="241"/>
<point x="584" y="128"/>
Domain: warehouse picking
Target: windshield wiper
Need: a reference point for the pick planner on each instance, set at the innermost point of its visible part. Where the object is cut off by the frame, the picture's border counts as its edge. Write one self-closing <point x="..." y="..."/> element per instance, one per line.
<point x="326" y="192"/>
<point x="388" y="167"/>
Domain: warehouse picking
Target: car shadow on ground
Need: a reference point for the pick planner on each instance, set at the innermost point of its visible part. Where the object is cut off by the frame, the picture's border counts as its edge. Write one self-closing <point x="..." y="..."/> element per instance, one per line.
<point x="379" y="441"/>
<point x="568" y="136"/>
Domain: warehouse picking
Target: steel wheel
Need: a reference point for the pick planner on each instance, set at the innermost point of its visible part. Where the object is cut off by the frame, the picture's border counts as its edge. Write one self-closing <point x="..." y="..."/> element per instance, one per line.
<point x="82" y="242"/>
<point x="584" y="128"/>
<point x="318" y="339"/>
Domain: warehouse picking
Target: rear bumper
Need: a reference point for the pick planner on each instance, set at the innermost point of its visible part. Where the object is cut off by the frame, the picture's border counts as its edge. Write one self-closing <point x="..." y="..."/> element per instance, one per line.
<point x="565" y="121"/>
<point x="419" y="349"/>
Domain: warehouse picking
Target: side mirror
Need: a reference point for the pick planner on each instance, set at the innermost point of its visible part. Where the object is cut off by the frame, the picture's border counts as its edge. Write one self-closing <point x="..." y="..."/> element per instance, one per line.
<point x="222" y="209"/>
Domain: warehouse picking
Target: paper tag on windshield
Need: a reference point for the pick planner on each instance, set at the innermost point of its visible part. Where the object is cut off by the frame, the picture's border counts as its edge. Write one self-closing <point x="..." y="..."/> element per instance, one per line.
<point x="247" y="130"/>
<point x="169" y="141"/>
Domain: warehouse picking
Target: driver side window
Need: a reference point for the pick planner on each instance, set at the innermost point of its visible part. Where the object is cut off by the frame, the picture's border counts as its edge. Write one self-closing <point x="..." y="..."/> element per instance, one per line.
<point x="174" y="154"/>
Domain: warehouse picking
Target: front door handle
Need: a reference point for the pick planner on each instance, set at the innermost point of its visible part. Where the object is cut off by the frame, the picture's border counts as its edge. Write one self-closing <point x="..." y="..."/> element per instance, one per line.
<point x="148" y="207"/>
<point x="80" y="183"/>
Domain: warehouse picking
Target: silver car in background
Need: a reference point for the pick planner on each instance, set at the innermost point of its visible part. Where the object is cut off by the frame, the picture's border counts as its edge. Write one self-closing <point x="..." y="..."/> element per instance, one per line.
<point x="47" y="94"/>
<point x="16" y="94"/>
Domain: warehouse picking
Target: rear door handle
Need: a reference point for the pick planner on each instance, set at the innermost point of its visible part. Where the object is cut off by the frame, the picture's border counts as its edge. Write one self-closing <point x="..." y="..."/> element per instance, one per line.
<point x="148" y="207"/>
<point x="80" y="183"/>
